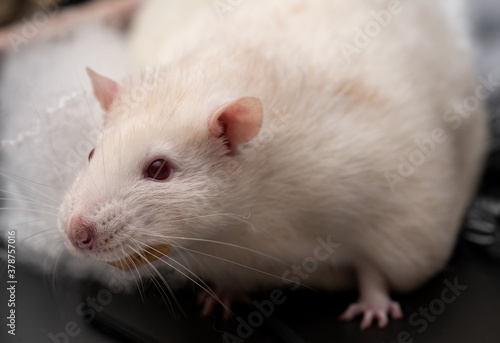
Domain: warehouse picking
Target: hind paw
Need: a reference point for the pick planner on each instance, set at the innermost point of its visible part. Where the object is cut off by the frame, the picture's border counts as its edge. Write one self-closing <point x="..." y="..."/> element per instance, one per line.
<point x="373" y="311"/>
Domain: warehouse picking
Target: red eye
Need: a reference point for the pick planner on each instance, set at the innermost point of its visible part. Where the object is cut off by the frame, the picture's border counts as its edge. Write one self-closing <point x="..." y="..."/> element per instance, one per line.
<point x="159" y="170"/>
<point x="91" y="154"/>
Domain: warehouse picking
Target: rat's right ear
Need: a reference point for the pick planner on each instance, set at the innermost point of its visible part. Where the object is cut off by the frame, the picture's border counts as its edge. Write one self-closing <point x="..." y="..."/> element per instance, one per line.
<point x="105" y="89"/>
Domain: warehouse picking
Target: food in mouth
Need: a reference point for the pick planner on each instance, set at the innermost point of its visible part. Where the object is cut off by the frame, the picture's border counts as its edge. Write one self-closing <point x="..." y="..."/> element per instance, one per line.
<point x="141" y="258"/>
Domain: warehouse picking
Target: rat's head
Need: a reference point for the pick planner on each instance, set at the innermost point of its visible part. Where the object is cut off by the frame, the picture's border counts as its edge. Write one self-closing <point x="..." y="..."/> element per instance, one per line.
<point x="155" y="177"/>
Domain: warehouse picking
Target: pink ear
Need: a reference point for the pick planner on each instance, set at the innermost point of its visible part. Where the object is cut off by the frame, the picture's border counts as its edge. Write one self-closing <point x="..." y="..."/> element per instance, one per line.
<point x="239" y="121"/>
<point x="105" y="89"/>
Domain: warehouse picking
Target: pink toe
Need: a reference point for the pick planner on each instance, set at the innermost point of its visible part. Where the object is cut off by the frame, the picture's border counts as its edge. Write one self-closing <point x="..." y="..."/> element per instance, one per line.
<point x="382" y="319"/>
<point x="395" y="311"/>
<point x="352" y="311"/>
<point x="367" y="320"/>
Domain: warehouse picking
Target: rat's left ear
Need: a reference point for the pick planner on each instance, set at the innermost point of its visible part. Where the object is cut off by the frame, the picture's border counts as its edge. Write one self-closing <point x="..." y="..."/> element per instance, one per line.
<point x="239" y="121"/>
<point x="105" y="89"/>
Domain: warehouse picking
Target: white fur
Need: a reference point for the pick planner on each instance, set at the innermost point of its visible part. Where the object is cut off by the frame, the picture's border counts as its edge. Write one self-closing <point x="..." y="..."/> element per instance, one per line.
<point x="322" y="173"/>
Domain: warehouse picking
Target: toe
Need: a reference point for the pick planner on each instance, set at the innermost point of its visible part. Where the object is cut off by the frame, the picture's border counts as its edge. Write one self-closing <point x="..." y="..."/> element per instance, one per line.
<point x="208" y="306"/>
<point x="367" y="320"/>
<point x="352" y="311"/>
<point x="395" y="310"/>
<point x="382" y="319"/>
<point x="227" y="306"/>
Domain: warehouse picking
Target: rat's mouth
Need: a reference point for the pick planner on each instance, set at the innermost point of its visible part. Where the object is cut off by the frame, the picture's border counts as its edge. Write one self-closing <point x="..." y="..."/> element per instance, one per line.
<point x="143" y="257"/>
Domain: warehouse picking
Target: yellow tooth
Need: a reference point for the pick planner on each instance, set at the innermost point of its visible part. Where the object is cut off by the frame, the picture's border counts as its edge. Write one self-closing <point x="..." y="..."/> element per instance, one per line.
<point x="146" y="256"/>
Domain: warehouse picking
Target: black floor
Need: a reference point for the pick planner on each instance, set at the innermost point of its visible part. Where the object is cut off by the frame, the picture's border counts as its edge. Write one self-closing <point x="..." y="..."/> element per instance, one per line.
<point x="57" y="309"/>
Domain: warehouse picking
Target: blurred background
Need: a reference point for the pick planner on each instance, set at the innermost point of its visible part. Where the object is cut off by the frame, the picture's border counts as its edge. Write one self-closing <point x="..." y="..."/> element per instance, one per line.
<point x="12" y="10"/>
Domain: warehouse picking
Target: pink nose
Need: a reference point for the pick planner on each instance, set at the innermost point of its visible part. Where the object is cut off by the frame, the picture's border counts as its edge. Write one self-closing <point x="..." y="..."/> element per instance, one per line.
<point x="80" y="234"/>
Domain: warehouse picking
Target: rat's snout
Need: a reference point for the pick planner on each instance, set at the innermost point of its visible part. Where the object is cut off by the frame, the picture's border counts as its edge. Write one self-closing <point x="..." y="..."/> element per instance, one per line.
<point x="81" y="235"/>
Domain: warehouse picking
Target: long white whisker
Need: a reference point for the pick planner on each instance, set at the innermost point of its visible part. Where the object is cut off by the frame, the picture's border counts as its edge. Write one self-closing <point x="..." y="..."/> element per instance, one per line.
<point x="163" y="280"/>
<point x="218" y="242"/>
<point x="20" y="179"/>
<point x="208" y="290"/>
<point x="30" y="202"/>
<point x="138" y="275"/>
<point x="43" y="232"/>
<point x="160" y="289"/>
<point x="201" y="281"/>
<point x="237" y="264"/>
<point x="55" y="270"/>
<point x="23" y="224"/>
<point x="47" y="238"/>
<point x="27" y="210"/>
<point x="40" y="201"/>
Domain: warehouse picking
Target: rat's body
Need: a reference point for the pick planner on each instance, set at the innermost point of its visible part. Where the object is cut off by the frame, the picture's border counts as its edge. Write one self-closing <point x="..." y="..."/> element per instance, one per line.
<point x="334" y="129"/>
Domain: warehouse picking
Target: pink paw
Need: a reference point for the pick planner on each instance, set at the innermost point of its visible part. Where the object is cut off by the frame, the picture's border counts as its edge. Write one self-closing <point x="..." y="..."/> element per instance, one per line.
<point x="373" y="311"/>
<point x="225" y="298"/>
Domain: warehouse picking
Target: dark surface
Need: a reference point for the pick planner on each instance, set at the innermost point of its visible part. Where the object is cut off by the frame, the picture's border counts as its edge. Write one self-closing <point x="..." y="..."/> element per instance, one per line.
<point x="46" y="305"/>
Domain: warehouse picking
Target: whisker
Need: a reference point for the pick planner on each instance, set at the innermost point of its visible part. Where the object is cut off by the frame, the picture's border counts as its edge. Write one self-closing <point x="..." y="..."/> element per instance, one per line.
<point x="161" y="291"/>
<point x="20" y="179"/>
<point x="221" y="243"/>
<point x="40" y="218"/>
<point x="43" y="240"/>
<point x="24" y="196"/>
<point x="182" y="254"/>
<point x="204" y="287"/>
<point x="29" y="202"/>
<point x="208" y="290"/>
<point x="56" y="269"/>
<point x="27" y="210"/>
<point x="163" y="280"/>
<point x="43" y="232"/>
<point x="158" y="286"/>
<point x="239" y="264"/>
<point x="135" y="279"/>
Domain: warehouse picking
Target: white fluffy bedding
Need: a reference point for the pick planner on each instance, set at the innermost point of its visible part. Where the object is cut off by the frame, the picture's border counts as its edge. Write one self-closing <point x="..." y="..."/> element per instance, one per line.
<point x="50" y="121"/>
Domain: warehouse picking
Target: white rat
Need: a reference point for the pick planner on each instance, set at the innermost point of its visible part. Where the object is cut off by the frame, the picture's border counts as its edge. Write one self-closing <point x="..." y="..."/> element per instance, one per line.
<point x="278" y="129"/>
